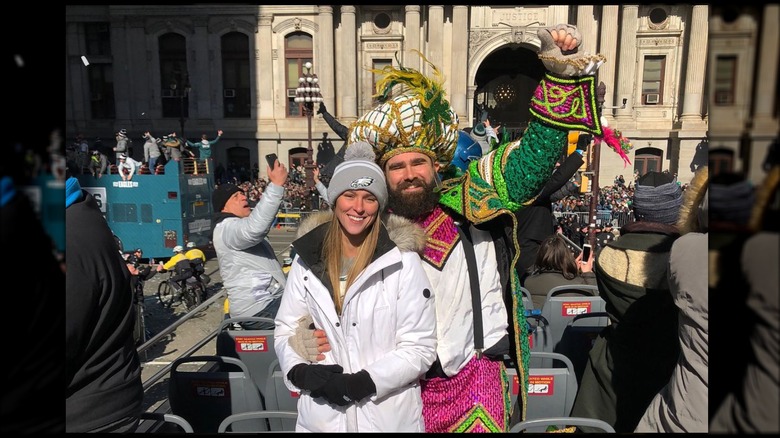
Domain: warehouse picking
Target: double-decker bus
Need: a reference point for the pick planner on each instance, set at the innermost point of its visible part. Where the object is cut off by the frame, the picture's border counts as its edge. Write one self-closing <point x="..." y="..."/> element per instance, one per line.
<point x="156" y="212"/>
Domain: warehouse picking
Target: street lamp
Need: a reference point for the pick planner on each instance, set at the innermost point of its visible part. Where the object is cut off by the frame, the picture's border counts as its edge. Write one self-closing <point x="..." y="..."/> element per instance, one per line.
<point x="184" y="84"/>
<point x="306" y="94"/>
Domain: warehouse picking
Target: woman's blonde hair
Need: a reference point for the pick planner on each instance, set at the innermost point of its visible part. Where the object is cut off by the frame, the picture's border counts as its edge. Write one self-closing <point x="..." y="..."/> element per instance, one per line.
<point x="332" y="254"/>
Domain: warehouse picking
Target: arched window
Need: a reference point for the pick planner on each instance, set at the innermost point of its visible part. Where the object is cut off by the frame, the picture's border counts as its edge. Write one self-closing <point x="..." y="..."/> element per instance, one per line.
<point x="174" y="77"/>
<point x="297" y="51"/>
<point x="721" y="160"/>
<point x="235" y="75"/>
<point x="647" y="159"/>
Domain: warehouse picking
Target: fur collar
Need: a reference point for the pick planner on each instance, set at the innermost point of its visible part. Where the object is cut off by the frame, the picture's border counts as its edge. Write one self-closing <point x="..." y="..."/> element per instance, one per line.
<point x="406" y="235"/>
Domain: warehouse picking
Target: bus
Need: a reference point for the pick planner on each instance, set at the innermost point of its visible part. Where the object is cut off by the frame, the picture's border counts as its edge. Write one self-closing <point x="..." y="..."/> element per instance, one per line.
<point x="156" y="212"/>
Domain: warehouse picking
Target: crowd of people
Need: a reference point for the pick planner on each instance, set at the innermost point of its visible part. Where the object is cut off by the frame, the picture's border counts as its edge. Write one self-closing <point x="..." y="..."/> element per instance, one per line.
<point x="402" y="310"/>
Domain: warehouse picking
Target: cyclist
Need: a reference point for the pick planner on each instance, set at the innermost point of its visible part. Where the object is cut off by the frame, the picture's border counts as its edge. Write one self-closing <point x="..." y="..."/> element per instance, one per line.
<point x="197" y="260"/>
<point x="181" y="266"/>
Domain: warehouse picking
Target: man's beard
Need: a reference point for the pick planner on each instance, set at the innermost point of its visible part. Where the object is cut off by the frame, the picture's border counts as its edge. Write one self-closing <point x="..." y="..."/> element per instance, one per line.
<point x="413" y="205"/>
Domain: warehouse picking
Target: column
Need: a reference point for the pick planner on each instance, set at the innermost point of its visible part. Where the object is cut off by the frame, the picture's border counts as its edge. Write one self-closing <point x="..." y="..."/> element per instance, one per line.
<point x="435" y="46"/>
<point x="349" y="63"/>
<point x="459" y="70"/>
<point x="121" y="74"/>
<point x="201" y="73"/>
<point x="627" y="71"/>
<point x="264" y="79"/>
<point x="766" y="88"/>
<point x="412" y="35"/>
<point x="608" y="48"/>
<point x="695" y="67"/>
<point x="588" y="27"/>
<point x="324" y="68"/>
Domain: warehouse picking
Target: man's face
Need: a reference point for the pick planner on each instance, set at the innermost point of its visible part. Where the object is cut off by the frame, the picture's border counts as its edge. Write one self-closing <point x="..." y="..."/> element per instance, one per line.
<point x="411" y="180"/>
<point x="237" y="205"/>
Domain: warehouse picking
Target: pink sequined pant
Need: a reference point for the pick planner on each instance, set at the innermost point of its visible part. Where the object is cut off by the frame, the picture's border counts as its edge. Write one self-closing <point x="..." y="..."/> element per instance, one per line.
<point x="475" y="400"/>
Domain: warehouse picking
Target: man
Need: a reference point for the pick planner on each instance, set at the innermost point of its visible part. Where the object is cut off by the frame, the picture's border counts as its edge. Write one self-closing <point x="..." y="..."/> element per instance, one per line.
<point x="250" y="271"/>
<point x="122" y="144"/>
<point x="197" y="260"/>
<point x="180" y="263"/>
<point x="634" y="357"/>
<point x="104" y="389"/>
<point x="127" y="167"/>
<point x="151" y="151"/>
<point x="204" y="145"/>
<point x="465" y="390"/>
<point x="98" y="163"/>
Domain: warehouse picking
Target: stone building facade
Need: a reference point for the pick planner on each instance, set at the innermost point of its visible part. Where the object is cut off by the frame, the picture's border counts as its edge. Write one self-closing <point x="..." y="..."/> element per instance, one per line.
<point x="236" y="68"/>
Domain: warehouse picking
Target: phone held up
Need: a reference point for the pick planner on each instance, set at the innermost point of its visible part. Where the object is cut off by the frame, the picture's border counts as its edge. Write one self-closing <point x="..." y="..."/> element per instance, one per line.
<point x="586" y="251"/>
<point x="271" y="159"/>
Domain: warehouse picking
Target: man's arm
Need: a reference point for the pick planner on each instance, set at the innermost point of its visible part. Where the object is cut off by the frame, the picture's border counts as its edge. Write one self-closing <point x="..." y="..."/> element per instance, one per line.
<point x="341" y="130"/>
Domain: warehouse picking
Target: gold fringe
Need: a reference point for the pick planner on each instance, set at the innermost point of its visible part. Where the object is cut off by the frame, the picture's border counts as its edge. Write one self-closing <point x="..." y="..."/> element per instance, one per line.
<point x="688" y="220"/>
<point x="764" y="194"/>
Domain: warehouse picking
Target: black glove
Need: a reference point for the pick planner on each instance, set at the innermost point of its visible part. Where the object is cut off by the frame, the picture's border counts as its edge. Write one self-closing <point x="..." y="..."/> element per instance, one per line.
<point x="312" y="377"/>
<point x="344" y="389"/>
<point x="583" y="141"/>
<point x="322" y="108"/>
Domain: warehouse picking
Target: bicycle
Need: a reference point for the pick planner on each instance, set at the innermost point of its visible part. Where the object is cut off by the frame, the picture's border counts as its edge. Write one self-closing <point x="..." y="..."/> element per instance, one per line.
<point x="192" y="294"/>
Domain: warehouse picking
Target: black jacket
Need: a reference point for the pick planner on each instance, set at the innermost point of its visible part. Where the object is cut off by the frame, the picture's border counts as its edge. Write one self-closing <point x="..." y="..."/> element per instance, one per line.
<point x="103" y="372"/>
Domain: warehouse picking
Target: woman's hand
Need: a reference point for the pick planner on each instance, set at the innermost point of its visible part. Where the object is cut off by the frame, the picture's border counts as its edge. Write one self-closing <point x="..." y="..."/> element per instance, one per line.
<point x="585" y="266"/>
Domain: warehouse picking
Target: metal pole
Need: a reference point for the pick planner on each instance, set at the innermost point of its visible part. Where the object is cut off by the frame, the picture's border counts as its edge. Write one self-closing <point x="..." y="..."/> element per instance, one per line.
<point x="601" y="90"/>
<point x="309" y="165"/>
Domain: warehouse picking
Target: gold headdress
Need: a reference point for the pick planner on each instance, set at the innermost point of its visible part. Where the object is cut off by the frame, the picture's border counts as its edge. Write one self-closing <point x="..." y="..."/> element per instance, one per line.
<point x="419" y="120"/>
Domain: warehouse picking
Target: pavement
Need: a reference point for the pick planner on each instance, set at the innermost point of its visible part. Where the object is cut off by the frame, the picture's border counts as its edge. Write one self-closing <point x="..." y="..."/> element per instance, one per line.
<point x="197" y="327"/>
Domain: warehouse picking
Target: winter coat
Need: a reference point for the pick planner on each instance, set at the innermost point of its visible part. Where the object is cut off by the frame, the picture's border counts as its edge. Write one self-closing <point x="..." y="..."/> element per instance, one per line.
<point x="250" y="271"/>
<point x="388" y="328"/>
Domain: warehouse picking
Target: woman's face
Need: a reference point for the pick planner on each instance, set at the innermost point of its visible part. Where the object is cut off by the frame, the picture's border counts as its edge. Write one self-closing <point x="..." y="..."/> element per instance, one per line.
<point x="356" y="211"/>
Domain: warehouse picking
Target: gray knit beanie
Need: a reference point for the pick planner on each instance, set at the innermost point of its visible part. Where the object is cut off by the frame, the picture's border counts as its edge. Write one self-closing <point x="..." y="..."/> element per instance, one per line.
<point x="359" y="171"/>
<point x="657" y="198"/>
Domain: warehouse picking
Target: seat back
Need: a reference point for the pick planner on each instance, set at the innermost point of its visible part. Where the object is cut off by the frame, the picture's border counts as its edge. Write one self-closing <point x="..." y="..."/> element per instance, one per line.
<point x="205" y="398"/>
<point x="528" y="303"/>
<point x="541" y="424"/>
<point x="563" y="303"/>
<point x="578" y="338"/>
<point x="551" y="390"/>
<point x="539" y="337"/>
<point x="255" y="348"/>
<point x="280" y="398"/>
<point x="248" y="416"/>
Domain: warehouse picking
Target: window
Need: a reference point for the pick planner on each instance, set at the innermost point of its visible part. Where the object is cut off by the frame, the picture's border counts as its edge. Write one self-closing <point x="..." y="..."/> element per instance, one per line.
<point x="378" y="64"/>
<point x="297" y="51"/>
<point x="725" y="76"/>
<point x="658" y="16"/>
<point x="647" y="159"/>
<point x="721" y="161"/>
<point x="98" y="39"/>
<point x="125" y="212"/>
<point x="236" y="94"/>
<point x="653" y="80"/>
<point x="101" y="90"/>
<point x="174" y="77"/>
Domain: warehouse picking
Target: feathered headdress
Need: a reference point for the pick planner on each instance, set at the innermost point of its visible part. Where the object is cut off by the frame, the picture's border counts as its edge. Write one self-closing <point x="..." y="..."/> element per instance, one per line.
<point x="418" y="120"/>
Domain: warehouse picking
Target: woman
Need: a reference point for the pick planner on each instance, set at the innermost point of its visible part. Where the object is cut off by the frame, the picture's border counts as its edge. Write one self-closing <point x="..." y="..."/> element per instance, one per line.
<point x="361" y="280"/>
<point x="556" y="266"/>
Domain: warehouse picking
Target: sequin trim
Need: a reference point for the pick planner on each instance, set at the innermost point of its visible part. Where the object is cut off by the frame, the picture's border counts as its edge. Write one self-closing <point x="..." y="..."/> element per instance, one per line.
<point x="568" y="103"/>
<point x="442" y="236"/>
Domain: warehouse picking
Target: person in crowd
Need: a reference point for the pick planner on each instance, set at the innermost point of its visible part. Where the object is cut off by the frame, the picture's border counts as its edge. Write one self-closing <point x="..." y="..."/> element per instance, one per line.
<point x="604" y="235"/>
<point x="359" y="276"/>
<point x="173" y="147"/>
<point x="681" y="405"/>
<point x="151" y="151"/>
<point x="750" y="402"/>
<point x="127" y="167"/>
<point x="98" y="164"/>
<point x="466" y="388"/>
<point x="555" y="265"/>
<point x="634" y="356"/>
<point x="122" y="144"/>
<point x="535" y="222"/>
<point x="484" y="135"/>
<point x="250" y="270"/>
<point x="204" y="145"/>
<point x="104" y="392"/>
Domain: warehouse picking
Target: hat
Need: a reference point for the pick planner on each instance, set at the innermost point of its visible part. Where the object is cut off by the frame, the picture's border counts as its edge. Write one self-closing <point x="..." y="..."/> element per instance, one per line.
<point x="221" y="195"/>
<point x="122" y="156"/>
<point x="123" y="131"/>
<point x="657" y="198"/>
<point x="190" y="244"/>
<point x="418" y="120"/>
<point x="730" y="198"/>
<point x="358" y="172"/>
<point x="95" y="152"/>
<point x="478" y="130"/>
<point x="177" y="248"/>
<point x="138" y="250"/>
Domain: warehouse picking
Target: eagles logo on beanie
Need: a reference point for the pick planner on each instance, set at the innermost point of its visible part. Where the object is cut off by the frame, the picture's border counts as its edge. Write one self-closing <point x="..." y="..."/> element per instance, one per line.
<point x="657" y="198"/>
<point x="358" y="172"/>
